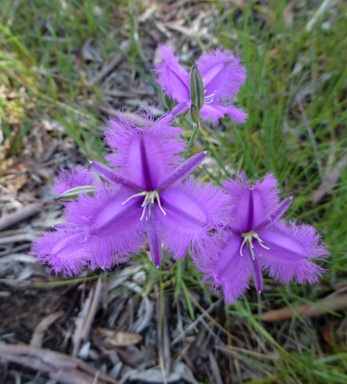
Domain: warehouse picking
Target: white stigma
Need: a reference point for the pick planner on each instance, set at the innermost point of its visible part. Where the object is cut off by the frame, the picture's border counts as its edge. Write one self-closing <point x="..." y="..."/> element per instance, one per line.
<point x="150" y="197"/>
<point x="209" y="98"/>
<point x="247" y="239"/>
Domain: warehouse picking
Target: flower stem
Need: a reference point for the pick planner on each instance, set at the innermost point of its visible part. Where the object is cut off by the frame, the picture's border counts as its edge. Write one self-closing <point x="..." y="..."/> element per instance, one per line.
<point x="191" y="140"/>
<point x="205" y="142"/>
<point x="214" y="154"/>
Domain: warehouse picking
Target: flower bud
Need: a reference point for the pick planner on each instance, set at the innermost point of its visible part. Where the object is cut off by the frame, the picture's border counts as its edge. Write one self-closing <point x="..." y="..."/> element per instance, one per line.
<point x="197" y="91"/>
<point x="73" y="193"/>
<point x="194" y="113"/>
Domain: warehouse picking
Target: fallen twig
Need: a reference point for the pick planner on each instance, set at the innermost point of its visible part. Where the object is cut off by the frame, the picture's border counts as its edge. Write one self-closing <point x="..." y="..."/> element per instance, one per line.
<point x="18" y="238"/>
<point x="330" y="303"/>
<point x="86" y="317"/>
<point x="20" y="215"/>
<point x="36" y="339"/>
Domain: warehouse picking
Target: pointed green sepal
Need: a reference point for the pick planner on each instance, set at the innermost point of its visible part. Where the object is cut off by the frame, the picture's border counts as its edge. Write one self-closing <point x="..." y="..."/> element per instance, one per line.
<point x="194" y="113"/>
<point x="197" y="91"/>
<point x="167" y="101"/>
<point x="73" y="193"/>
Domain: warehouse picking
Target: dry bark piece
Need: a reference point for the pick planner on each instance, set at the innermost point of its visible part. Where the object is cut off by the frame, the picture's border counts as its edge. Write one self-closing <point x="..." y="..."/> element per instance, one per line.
<point x="18" y="238"/>
<point x="179" y="373"/>
<point x="20" y="215"/>
<point x="154" y="375"/>
<point x="66" y="369"/>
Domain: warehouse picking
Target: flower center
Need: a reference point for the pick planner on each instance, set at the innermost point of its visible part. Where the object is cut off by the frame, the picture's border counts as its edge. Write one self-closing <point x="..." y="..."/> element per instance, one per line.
<point x="248" y="240"/>
<point x="150" y="197"/>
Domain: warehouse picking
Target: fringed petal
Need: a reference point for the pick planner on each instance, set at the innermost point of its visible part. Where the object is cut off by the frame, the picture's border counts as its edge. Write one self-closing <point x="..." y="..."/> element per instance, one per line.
<point x="193" y="212"/>
<point x="226" y="269"/>
<point x="275" y="215"/>
<point x="291" y="249"/>
<point x="158" y="141"/>
<point x="113" y="177"/>
<point x="65" y="251"/>
<point x="222" y="74"/>
<point x="173" y="78"/>
<point x="215" y="111"/>
<point x="154" y="237"/>
<point x="263" y="200"/>
<point x="113" y="228"/>
<point x="180" y="108"/>
<point x="257" y="275"/>
<point x="181" y="172"/>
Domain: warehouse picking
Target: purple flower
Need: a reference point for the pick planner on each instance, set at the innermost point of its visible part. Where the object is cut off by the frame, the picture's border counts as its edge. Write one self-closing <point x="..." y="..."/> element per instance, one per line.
<point x="222" y="75"/>
<point x="142" y="197"/>
<point x="256" y="240"/>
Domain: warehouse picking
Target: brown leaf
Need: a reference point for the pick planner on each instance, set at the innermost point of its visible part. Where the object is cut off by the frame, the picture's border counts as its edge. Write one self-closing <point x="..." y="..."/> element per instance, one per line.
<point x="326" y="331"/>
<point x="120" y="338"/>
<point x="137" y="358"/>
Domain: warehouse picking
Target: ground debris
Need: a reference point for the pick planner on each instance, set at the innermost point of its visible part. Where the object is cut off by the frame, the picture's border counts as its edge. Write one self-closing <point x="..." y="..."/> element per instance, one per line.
<point x="66" y="369"/>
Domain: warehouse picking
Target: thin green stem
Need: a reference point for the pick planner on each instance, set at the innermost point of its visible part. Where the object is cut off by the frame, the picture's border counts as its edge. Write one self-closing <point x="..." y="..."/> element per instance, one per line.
<point x="206" y="144"/>
<point x="214" y="154"/>
<point x="191" y="140"/>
